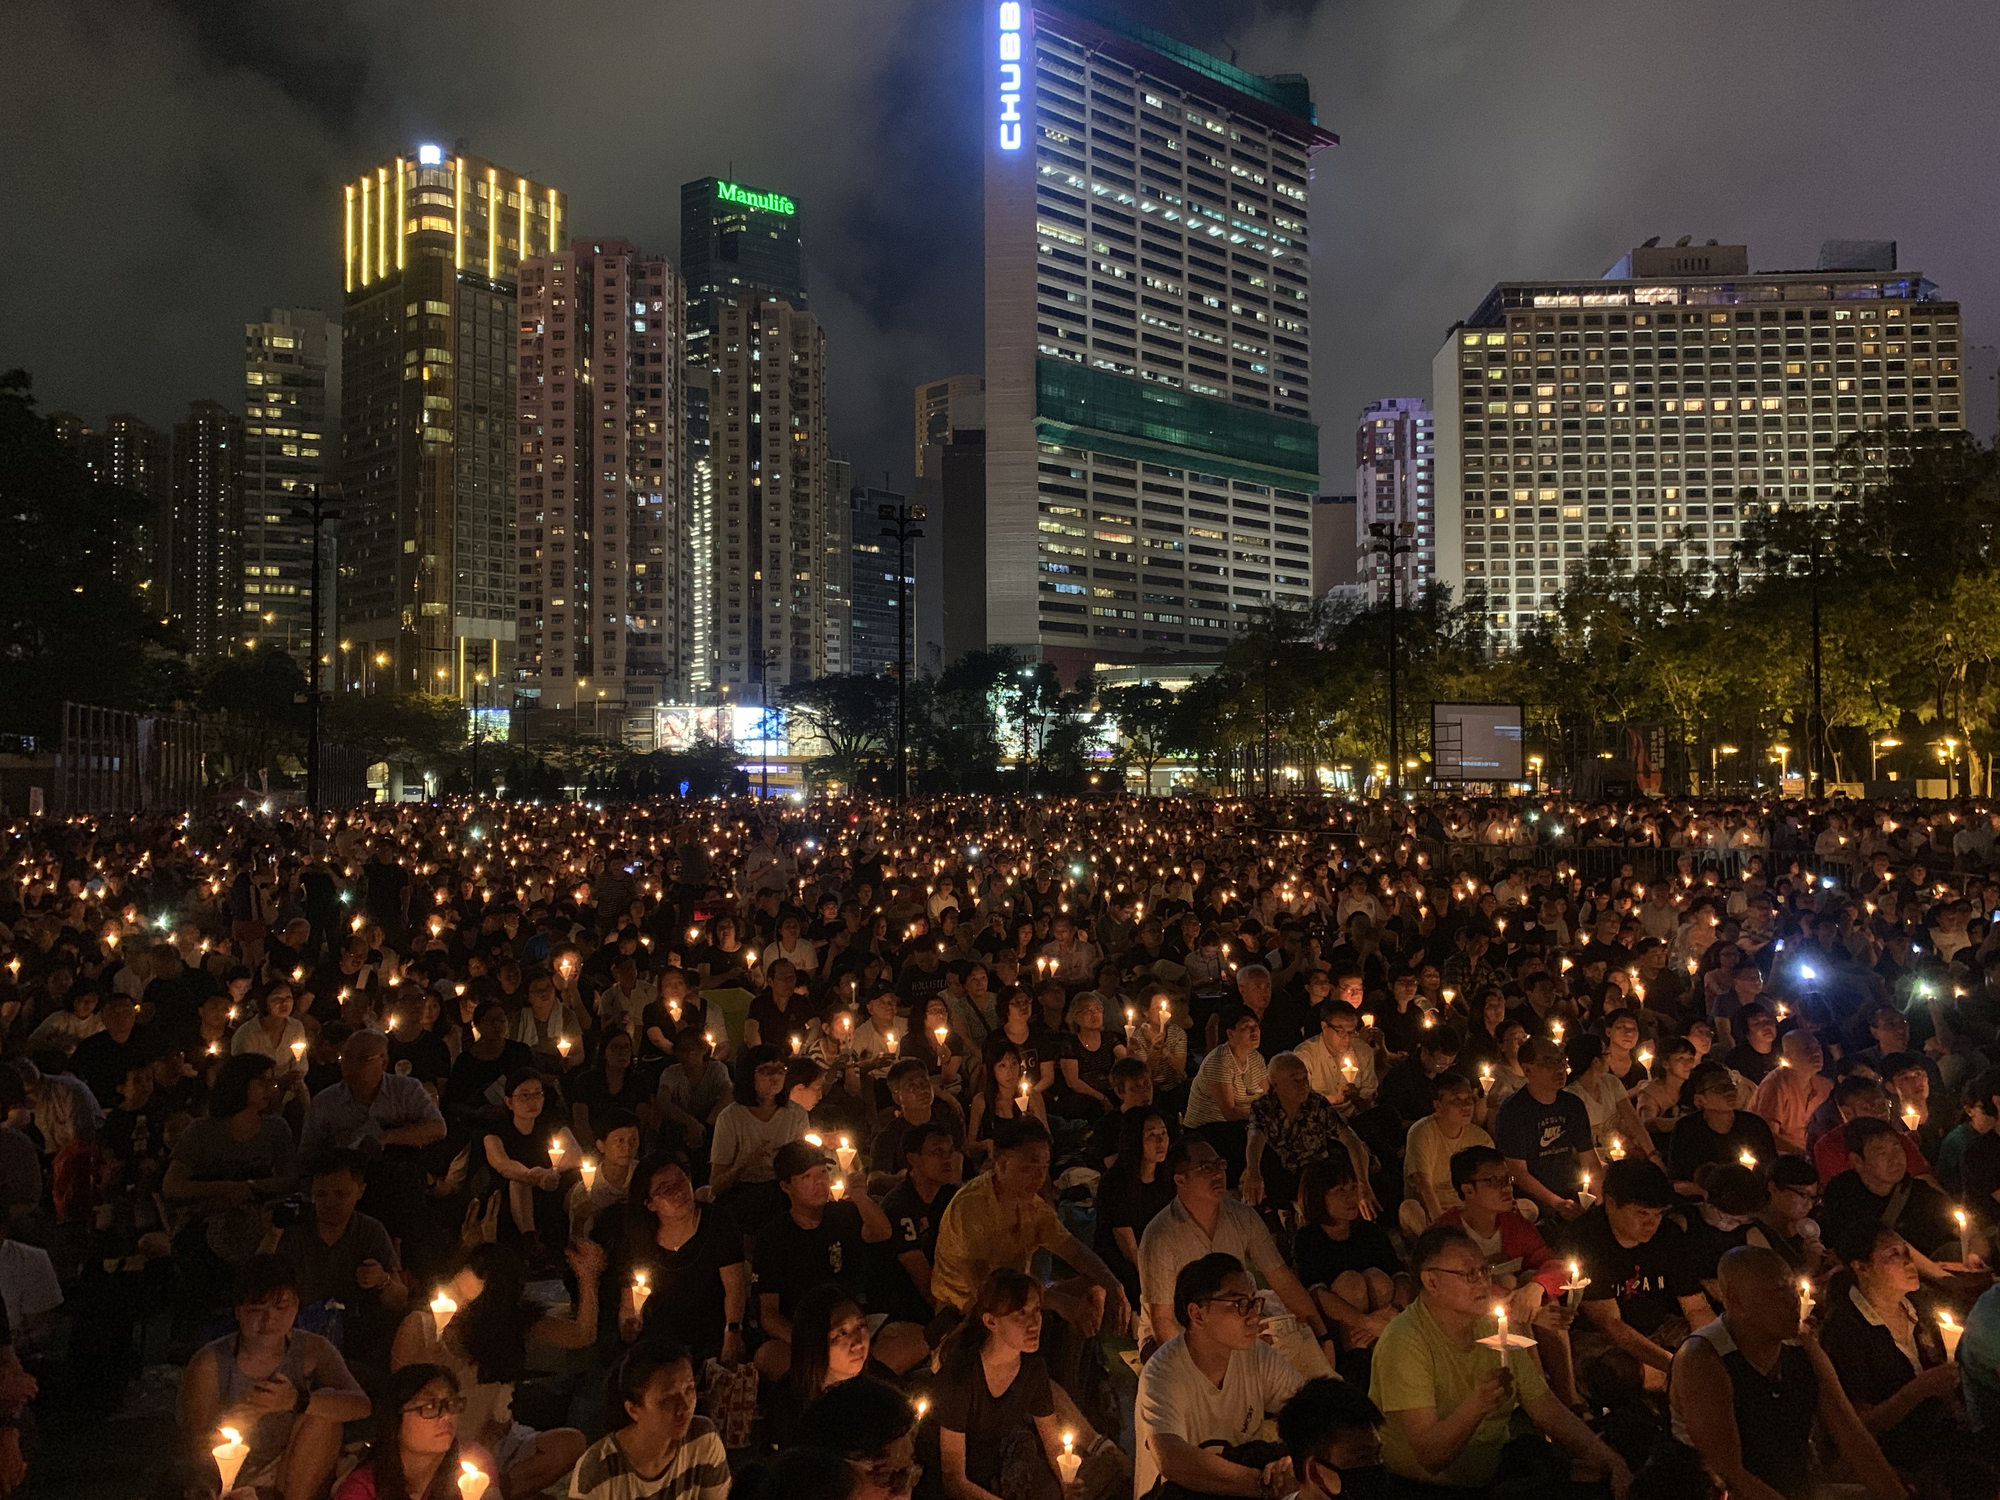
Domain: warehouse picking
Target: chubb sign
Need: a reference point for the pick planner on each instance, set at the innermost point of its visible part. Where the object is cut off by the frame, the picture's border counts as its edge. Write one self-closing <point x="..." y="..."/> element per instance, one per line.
<point x="1010" y="75"/>
<point x="776" y="203"/>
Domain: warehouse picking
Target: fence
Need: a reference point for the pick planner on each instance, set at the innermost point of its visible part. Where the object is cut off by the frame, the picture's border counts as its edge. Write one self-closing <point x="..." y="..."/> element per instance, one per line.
<point x="113" y="761"/>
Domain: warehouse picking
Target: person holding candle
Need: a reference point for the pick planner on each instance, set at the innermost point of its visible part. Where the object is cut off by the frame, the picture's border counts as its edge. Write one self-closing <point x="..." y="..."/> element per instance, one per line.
<point x="286" y="1391"/>
<point x="1450" y="1401"/>
<point x="691" y="1254"/>
<point x="782" y="1008"/>
<point x="657" y="1448"/>
<point x="1891" y="1359"/>
<point x="1747" y="1390"/>
<point x="485" y="1345"/>
<point x="1009" y="1094"/>
<point x="1877" y="1188"/>
<point x="1429" y="1149"/>
<point x="693" y="1091"/>
<point x="520" y="1150"/>
<point x="1715" y="1130"/>
<point x="545" y="1023"/>
<point x="415" y="1453"/>
<point x="1645" y="1290"/>
<point x="917" y="1102"/>
<point x="749" y="1133"/>
<point x="1545" y="1133"/>
<point x="615" y="1083"/>
<point x="273" y="1030"/>
<point x="996" y="1409"/>
<point x="604" y="1175"/>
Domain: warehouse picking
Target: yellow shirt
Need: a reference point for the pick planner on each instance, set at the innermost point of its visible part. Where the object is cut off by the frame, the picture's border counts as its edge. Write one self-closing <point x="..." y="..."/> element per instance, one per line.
<point x="1416" y="1368"/>
<point x="978" y="1232"/>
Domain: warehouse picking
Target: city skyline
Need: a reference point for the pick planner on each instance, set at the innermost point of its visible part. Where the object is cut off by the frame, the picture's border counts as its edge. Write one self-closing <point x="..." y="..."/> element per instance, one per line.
<point x="1480" y="194"/>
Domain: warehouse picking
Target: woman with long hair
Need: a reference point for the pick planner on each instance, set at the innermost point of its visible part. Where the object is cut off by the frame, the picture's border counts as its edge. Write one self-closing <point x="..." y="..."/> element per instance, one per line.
<point x="414" y="1452"/>
<point x="485" y="1346"/>
<point x="830" y="1343"/>
<point x="1132" y="1192"/>
<point x="747" y="1136"/>
<point x="995" y="1402"/>
<point x="517" y="1150"/>
<point x="691" y="1254"/>
<point x="1002" y="1098"/>
<point x="657" y="1445"/>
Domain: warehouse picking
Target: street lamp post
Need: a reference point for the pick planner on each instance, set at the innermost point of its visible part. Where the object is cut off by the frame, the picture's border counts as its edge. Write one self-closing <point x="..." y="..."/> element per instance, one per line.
<point x="899" y="522"/>
<point x="478" y="682"/>
<point x="315" y="509"/>
<point x="764" y="717"/>
<point x="1393" y="540"/>
<point x="1714" y="767"/>
<point x="1875" y="749"/>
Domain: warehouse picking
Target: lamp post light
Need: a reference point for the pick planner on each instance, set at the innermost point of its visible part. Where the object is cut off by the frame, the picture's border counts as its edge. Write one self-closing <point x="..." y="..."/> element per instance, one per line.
<point x="478" y="682"/>
<point x="1875" y="749"/>
<point x="315" y="509"/>
<point x="1949" y="755"/>
<point x="1535" y="774"/>
<point x="1715" y="752"/>
<point x="1393" y="540"/>
<point x="1784" y="754"/>
<point x="898" y="521"/>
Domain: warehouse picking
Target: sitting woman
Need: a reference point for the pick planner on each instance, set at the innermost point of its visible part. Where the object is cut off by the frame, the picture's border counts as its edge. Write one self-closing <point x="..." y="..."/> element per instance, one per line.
<point x="1000" y="1421"/>
<point x="748" y="1134"/>
<point x="1131" y="1192"/>
<point x="519" y="1149"/>
<point x="656" y="1446"/>
<point x="1346" y="1260"/>
<point x="414" y="1453"/>
<point x="1658" y="1100"/>
<point x="1009" y="1094"/>
<point x="1892" y="1363"/>
<point x="485" y="1346"/>
<point x="831" y="1342"/>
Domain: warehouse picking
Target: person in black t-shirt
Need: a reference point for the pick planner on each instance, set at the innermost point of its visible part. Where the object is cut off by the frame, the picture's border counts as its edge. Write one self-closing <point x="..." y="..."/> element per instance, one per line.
<point x="933" y="1166"/>
<point x="1357" y="1279"/>
<point x="1644" y="1295"/>
<point x="1877" y="1188"/>
<point x="1136" y="1188"/>
<point x="1544" y="1132"/>
<point x="819" y="1238"/>
<point x="103" y="1059"/>
<point x="1715" y="1130"/>
<point x="692" y="1254"/>
<point x="1406" y="1087"/>
<point x="1000" y="1344"/>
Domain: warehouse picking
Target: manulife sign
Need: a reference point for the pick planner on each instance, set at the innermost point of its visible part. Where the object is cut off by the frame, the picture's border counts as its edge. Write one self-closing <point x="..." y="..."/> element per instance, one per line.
<point x="776" y="203"/>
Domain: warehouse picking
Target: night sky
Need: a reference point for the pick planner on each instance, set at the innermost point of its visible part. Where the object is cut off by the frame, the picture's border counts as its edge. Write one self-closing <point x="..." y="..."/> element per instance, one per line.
<point x="174" y="168"/>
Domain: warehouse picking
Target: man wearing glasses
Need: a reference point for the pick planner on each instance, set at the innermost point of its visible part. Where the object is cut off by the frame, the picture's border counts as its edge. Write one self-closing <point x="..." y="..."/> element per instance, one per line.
<point x="1450" y="1401"/>
<point x="1213" y="1384"/>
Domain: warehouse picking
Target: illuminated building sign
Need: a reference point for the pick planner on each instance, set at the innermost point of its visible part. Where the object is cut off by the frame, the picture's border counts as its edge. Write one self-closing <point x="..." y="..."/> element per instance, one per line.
<point x="1010" y="75"/>
<point x="776" y="203"/>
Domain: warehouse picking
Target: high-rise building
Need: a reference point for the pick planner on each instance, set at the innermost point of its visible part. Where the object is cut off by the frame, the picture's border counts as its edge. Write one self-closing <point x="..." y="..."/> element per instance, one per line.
<point x="206" y="591"/>
<point x="291" y="434"/>
<point x="1395" y="486"/>
<point x="955" y="404"/>
<point x="766" y="497"/>
<point x="735" y="241"/>
<point x="601" y="491"/>
<point x="877" y="597"/>
<point x="432" y="244"/>
<point x="839" y="567"/>
<point x="136" y="457"/>
<point x="1336" y="555"/>
<point x="1150" y="457"/>
<point x="1653" y="410"/>
<point x="949" y="616"/>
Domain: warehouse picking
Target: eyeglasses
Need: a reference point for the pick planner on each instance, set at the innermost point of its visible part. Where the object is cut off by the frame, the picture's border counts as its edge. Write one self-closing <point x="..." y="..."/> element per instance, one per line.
<point x="1492" y="1181"/>
<point x="1477" y="1276"/>
<point x="885" y="1474"/>
<point x="430" y="1411"/>
<point x="1242" y="1306"/>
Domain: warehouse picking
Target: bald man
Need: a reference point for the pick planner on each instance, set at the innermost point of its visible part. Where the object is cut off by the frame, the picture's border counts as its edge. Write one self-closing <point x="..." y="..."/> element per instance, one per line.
<point x="1745" y="1396"/>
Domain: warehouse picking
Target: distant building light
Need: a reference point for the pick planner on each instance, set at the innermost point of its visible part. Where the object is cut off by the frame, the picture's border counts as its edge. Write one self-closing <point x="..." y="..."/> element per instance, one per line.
<point x="430" y="156"/>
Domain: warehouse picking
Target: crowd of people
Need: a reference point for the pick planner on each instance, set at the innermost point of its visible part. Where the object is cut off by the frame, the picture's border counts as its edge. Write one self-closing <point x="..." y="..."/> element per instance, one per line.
<point x="830" y="1150"/>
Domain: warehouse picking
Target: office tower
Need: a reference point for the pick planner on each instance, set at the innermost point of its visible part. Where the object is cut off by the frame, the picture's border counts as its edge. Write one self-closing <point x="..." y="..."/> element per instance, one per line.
<point x="839" y="567"/>
<point x="955" y="404"/>
<point x="876" y="611"/>
<point x="291" y="427"/>
<point x="766" y="517"/>
<point x="601" y="491"/>
<point x="1653" y="410"/>
<point x="1336" y="556"/>
<point x="206" y="590"/>
<point x="735" y="241"/>
<point x="1151" y="461"/>
<point x="432" y="244"/>
<point x="1394" y="485"/>
<point x="950" y="558"/>
<point x="136" y="457"/>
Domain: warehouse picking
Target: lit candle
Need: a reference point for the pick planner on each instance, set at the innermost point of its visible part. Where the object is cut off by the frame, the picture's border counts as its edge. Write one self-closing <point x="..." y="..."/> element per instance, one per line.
<point x="563" y="1044"/>
<point x="1583" y="1194"/>
<point x="229" y="1456"/>
<point x="838" y="1187"/>
<point x="1069" y="1461"/>
<point x="1747" y="1158"/>
<point x="941" y="1033"/>
<point x="1963" y="1222"/>
<point x="442" y="1310"/>
<point x="813" y="1140"/>
<point x="845" y="1154"/>
<point x="299" y="1050"/>
<point x="1349" y="1069"/>
<point x="1368" y="1020"/>
<point x="640" y="1291"/>
<point x="1951" y="1331"/>
<point x="1500" y="1312"/>
<point x="588" y="1169"/>
<point x="1645" y="1055"/>
<point x="923" y="1407"/>
<point x="1911" y="1119"/>
<point x="555" y="1152"/>
<point x="1485" y="1076"/>
<point x="1556" y="1029"/>
<point x="471" y="1483"/>
<point x="1805" y="1298"/>
<point x="1615" y="1149"/>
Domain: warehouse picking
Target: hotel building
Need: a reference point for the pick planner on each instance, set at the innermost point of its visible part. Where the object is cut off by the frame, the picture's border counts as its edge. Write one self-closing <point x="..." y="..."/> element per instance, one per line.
<point x="1394" y="485"/>
<point x="291" y="428"/>
<point x="1150" y="455"/>
<point x="1651" y="411"/>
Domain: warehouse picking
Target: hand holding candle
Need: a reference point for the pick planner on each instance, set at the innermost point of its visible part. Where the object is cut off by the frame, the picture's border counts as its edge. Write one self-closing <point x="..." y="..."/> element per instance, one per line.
<point x="1069" y="1461"/>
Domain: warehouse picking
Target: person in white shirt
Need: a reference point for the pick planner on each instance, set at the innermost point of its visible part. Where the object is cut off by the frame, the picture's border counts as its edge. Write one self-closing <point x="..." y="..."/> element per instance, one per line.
<point x="1214" y="1383"/>
<point x="28" y="1283"/>
<point x="802" y="953"/>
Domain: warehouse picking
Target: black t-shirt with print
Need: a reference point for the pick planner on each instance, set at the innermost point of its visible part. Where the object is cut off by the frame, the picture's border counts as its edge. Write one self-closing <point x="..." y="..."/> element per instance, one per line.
<point x="791" y="1259"/>
<point x="1647" y="1280"/>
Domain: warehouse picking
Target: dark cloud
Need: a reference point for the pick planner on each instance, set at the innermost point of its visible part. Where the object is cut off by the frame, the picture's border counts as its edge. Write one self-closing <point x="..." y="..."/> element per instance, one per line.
<point x="174" y="168"/>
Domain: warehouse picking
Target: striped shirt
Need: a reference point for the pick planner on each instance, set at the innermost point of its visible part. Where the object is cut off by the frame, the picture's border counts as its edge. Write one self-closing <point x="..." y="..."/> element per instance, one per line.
<point x="698" y="1470"/>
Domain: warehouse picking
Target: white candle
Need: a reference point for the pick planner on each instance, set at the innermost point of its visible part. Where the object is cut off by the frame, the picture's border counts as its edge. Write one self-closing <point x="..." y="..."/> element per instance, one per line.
<point x="1951" y="1331"/>
<point x="556" y="1152"/>
<point x="563" y="1044"/>
<point x="589" y="1170"/>
<point x="1748" y="1158"/>
<point x="443" y="1309"/>
<point x="1805" y="1299"/>
<point x="838" y="1187"/>
<point x="229" y="1456"/>
<point x="1500" y="1312"/>
<point x="640" y="1291"/>
<point x="1069" y="1462"/>
<point x="471" y="1483"/>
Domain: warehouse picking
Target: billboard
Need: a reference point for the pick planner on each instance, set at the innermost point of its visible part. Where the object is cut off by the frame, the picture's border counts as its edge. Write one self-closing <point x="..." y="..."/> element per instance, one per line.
<point x="754" y="731"/>
<point x="1476" y="742"/>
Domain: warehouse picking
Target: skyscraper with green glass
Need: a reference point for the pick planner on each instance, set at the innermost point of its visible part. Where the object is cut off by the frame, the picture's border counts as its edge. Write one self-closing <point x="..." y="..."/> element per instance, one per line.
<point x="1151" y="455"/>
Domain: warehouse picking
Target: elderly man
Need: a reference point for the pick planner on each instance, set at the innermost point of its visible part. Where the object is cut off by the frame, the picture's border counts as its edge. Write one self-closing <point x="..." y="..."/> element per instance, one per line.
<point x="386" y="1116"/>
<point x="1747" y="1389"/>
<point x="1450" y="1402"/>
<point x="1291" y="1127"/>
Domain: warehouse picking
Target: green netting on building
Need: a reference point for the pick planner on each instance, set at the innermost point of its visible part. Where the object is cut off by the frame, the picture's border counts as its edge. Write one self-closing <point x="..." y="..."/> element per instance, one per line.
<point x="1291" y="92"/>
<point x="1199" y="430"/>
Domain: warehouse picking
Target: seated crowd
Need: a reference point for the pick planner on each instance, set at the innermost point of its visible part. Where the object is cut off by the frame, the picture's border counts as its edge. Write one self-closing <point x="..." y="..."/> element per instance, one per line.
<point x="681" y="1151"/>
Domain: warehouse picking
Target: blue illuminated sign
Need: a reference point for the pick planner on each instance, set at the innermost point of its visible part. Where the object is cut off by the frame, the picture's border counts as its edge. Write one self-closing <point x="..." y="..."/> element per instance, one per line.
<point x="1010" y="75"/>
